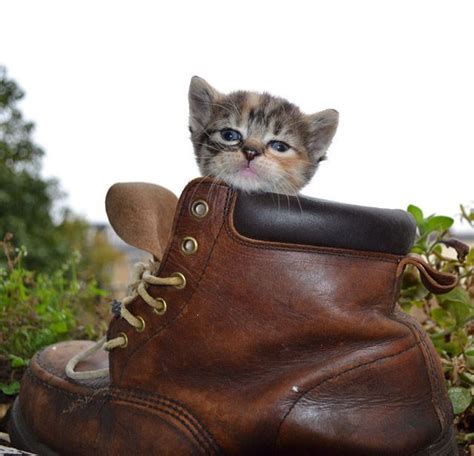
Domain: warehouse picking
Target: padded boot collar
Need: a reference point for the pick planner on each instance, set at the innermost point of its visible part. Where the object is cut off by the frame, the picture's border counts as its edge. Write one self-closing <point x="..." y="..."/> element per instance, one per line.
<point x="309" y="221"/>
<point x="142" y="215"/>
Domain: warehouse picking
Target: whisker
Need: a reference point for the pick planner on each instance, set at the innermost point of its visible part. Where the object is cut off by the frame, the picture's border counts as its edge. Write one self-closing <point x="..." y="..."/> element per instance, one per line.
<point x="196" y="188"/>
<point x="208" y="146"/>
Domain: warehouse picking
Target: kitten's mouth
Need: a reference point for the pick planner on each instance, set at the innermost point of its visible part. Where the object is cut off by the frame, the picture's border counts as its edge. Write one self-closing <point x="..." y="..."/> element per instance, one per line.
<point x="248" y="172"/>
<point x="249" y="178"/>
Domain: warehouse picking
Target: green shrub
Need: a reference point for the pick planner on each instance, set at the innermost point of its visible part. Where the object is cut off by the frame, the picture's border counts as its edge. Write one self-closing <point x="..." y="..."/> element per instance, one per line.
<point x="38" y="309"/>
<point x="448" y="318"/>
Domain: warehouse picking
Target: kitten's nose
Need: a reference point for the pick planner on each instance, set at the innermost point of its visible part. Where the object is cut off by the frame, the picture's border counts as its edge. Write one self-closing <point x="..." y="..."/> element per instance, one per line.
<point x="250" y="152"/>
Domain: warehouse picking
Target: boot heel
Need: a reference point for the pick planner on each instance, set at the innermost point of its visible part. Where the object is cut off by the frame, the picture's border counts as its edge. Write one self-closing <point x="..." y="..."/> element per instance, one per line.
<point x="21" y="436"/>
<point x="447" y="446"/>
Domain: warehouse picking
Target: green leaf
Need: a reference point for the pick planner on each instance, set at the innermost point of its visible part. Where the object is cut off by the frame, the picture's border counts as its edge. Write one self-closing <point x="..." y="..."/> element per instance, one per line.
<point x="460" y="398"/>
<point x="418" y="249"/>
<point x="10" y="389"/>
<point x="437" y="223"/>
<point x="455" y="345"/>
<point x="470" y="256"/>
<point x="59" y="327"/>
<point x="417" y="213"/>
<point x="467" y="377"/>
<point x="458" y="303"/>
<point x="469" y="357"/>
<point x="456" y="295"/>
<point x="469" y="360"/>
<point x="16" y="361"/>
<point x="468" y="437"/>
<point x="468" y="216"/>
<point x="442" y="317"/>
<point x="462" y="312"/>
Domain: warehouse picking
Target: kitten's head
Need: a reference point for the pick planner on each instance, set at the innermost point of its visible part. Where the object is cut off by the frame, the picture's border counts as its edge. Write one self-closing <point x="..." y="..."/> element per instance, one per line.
<point x="256" y="142"/>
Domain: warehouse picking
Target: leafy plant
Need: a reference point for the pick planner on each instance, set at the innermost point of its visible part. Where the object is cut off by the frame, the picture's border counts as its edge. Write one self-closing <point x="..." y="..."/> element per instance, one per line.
<point x="38" y="309"/>
<point x="448" y="318"/>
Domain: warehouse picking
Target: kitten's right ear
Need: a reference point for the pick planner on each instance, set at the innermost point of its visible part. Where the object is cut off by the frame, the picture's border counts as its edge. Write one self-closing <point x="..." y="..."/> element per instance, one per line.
<point x="201" y="96"/>
<point x="323" y="126"/>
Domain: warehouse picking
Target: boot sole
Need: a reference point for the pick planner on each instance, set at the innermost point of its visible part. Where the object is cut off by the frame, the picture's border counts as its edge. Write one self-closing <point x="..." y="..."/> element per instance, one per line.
<point x="445" y="446"/>
<point x="23" y="438"/>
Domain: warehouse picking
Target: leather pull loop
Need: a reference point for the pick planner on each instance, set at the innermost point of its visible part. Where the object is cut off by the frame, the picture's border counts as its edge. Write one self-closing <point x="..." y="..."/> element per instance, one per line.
<point x="462" y="249"/>
<point x="435" y="281"/>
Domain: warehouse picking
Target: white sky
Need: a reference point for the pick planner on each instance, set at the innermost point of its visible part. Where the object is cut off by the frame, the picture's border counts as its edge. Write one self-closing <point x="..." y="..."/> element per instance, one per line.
<point x="107" y="81"/>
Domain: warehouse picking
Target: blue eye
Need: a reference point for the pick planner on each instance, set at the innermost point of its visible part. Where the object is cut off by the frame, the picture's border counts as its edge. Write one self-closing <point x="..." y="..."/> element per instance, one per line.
<point x="279" y="146"/>
<point x="230" y="135"/>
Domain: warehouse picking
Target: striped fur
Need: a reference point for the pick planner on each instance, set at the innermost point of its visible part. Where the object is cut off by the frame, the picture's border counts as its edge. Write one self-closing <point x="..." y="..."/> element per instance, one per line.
<point x="260" y="119"/>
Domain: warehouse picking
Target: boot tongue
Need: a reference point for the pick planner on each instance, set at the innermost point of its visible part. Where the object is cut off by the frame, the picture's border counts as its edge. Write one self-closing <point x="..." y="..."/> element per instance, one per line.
<point x="142" y="215"/>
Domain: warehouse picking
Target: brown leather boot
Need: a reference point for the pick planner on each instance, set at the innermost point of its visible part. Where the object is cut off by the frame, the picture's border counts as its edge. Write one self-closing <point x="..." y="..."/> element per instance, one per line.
<point x="270" y="327"/>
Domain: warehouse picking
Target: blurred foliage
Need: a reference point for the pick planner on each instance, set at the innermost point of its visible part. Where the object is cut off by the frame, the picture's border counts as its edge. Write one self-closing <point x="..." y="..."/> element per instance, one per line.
<point x="26" y="200"/>
<point x="448" y="318"/>
<point x="55" y="291"/>
<point x="25" y="197"/>
<point x="97" y="255"/>
<point x="38" y="309"/>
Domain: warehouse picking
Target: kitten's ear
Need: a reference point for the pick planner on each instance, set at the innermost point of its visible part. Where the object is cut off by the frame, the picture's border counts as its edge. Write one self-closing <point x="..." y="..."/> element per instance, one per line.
<point x="323" y="126"/>
<point x="201" y="96"/>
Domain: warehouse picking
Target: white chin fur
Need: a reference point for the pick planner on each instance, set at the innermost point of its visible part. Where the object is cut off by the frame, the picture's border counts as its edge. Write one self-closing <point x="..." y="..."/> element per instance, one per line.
<point x="247" y="184"/>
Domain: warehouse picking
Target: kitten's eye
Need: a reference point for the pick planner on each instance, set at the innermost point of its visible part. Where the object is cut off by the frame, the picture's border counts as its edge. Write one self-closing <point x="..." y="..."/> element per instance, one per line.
<point x="230" y="135"/>
<point x="279" y="146"/>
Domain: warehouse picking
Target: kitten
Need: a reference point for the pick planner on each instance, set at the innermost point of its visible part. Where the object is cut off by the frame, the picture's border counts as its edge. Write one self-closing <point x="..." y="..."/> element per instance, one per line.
<point x="257" y="142"/>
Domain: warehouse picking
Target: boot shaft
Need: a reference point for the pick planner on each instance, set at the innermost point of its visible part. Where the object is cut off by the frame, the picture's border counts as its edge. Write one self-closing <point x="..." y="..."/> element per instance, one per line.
<point x="257" y="302"/>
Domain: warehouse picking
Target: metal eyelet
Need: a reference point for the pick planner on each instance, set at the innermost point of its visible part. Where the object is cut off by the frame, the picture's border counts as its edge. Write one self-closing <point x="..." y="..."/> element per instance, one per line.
<point x="189" y="245"/>
<point x="199" y="208"/>
<point x="140" y="328"/>
<point x="125" y="339"/>
<point x="183" y="280"/>
<point x="162" y="309"/>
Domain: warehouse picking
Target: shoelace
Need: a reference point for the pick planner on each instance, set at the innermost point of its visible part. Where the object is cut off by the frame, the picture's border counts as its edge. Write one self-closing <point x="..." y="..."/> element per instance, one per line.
<point x="142" y="277"/>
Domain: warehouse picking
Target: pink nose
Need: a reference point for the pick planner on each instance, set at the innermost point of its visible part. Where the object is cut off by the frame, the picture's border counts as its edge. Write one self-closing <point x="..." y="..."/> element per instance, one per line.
<point x="250" y="153"/>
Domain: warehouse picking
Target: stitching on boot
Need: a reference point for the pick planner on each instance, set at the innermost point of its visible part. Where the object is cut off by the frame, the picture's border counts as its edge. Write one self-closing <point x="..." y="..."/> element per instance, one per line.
<point x="202" y="438"/>
<point x="184" y="304"/>
<point x="340" y="374"/>
<point x="201" y="434"/>
<point x="150" y="404"/>
<point x="435" y="384"/>
<point x="172" y="403"/>
<point x="41" y="382"/>
<point x="432" y="379"/>
<point x="446" y="439"/>
<point x="51" y="368"/>
<point x="436" y="389"/>
<point x="82" y="399"/>
<point x="141" y="394"/>
<point x="255" y="243"/>
<point x="202" y="443"/>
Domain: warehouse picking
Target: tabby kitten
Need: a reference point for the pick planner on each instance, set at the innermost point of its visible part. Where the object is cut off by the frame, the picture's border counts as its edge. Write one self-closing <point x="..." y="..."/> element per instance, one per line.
<point x="255" y="141"/>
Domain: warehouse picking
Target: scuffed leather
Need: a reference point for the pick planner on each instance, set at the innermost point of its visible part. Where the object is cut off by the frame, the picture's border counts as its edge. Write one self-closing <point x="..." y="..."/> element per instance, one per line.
<point x="375" y="408"/>
<point x="271" y="348"/>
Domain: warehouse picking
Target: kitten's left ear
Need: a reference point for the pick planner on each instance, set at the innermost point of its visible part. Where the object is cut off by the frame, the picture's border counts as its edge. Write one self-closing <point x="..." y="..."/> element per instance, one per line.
<point x="323" y="126"/>
<point x="201" y="96"/>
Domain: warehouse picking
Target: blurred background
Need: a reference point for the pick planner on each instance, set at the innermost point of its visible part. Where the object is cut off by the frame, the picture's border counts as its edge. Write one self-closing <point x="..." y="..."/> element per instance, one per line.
<point x="106" y="86"/>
